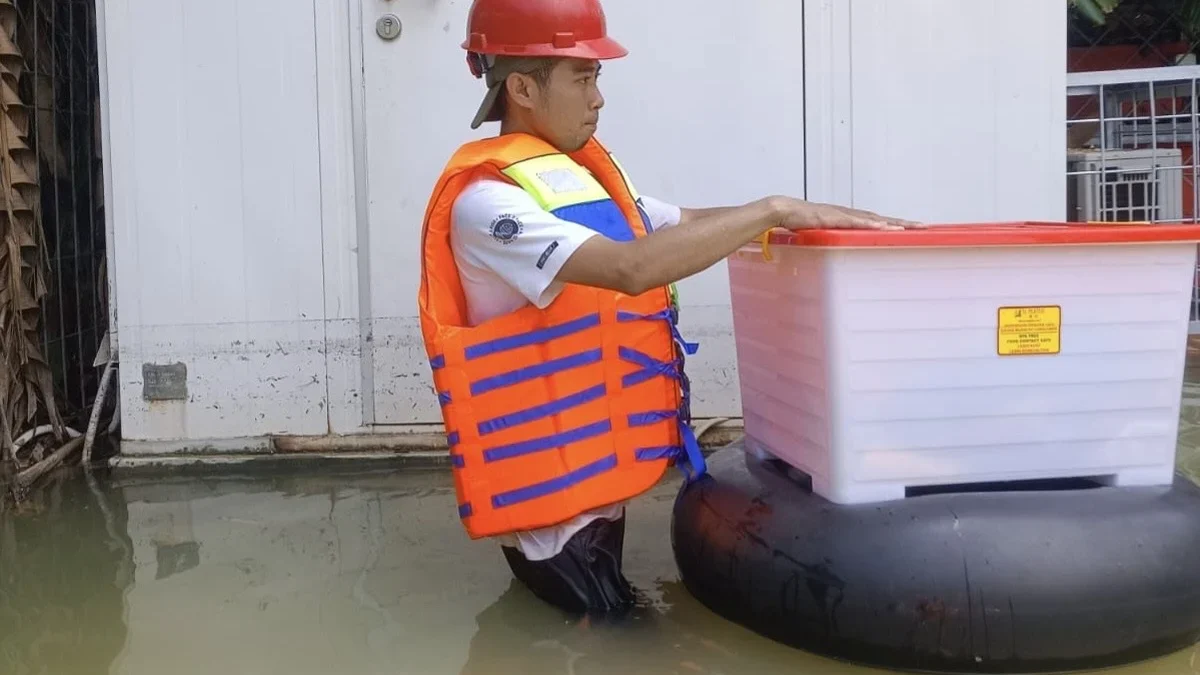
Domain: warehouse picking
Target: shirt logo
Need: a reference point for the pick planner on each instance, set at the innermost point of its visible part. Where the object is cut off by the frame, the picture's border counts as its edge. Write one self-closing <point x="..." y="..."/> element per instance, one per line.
<point x="541" y="263"/>
<point x="506" y="229"/>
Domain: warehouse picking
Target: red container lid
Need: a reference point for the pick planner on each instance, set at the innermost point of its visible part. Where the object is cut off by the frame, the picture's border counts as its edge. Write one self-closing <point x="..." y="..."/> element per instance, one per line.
<point x="991" y="234"/>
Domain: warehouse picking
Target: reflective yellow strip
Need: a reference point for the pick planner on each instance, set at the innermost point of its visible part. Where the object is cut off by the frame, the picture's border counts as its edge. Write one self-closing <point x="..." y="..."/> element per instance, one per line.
<point x="556" y="181"/>
<point x="628" y="182"/>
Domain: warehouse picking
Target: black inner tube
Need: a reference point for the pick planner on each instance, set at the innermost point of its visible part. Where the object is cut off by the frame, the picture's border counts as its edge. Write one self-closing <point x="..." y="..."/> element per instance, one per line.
<point x="1036" y="579"/>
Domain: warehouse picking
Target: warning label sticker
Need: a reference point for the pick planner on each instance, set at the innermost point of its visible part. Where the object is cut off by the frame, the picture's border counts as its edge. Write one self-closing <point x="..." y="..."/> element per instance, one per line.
<point x="1028" y="330"/>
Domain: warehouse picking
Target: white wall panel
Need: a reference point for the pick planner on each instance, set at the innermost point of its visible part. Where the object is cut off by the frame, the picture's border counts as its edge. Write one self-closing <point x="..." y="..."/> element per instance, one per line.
<point x="940" y="110"/>
<point x="217" y="210"/>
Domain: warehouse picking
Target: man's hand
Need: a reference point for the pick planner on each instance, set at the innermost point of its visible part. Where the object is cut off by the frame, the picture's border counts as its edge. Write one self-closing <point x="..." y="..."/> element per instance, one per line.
<point x="796" y="214"/>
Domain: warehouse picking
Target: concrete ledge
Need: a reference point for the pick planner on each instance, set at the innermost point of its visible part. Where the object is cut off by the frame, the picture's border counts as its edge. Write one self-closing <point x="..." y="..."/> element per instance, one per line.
<point x="274" y="445"/>
<point x="261" y="463"/>
<point x="293" y="453"/>
<point x="712" y="433"/>
<point x="208" y="447"/>
<point x="363" y="443"/>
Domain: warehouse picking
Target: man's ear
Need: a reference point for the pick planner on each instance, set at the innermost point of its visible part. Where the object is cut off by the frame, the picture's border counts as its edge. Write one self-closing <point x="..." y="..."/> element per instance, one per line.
<point x="519" y="88"/>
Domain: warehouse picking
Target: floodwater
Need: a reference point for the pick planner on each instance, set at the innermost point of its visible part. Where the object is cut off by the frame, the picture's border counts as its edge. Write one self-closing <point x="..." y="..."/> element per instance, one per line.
<point x="323" y="572"/>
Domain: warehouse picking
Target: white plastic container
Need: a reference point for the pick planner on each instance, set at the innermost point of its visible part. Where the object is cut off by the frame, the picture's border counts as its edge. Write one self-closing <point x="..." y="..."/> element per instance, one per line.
<point x="881" y="361"/>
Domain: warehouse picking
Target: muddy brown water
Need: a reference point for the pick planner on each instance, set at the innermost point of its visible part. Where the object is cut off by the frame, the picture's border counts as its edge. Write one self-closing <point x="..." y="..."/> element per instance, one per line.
<point x="343" y="573"/>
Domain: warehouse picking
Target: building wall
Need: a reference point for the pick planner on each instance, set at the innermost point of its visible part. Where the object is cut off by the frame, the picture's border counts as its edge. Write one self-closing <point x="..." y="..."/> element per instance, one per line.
<point x="226" y="127"/>
<point x="230" y="145"/>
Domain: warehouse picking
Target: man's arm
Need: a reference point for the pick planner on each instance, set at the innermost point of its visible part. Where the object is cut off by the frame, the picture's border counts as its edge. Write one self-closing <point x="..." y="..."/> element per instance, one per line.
<point x="711" y="235"/>
<point x="687" y="216"/>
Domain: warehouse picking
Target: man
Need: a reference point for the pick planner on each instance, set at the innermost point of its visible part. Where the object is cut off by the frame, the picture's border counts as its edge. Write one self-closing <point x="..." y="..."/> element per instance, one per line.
<point x="548" y="306"/>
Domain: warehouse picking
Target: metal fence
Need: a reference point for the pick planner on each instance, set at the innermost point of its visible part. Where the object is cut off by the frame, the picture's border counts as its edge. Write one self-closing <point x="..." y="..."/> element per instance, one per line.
<point x="1131" y="155"/>
<point x="57" y="39"/>
<point x="1133" y="117"/>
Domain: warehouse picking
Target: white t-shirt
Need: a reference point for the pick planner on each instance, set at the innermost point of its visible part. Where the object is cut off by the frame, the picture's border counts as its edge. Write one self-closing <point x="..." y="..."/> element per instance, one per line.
<point x="508" y="250"/>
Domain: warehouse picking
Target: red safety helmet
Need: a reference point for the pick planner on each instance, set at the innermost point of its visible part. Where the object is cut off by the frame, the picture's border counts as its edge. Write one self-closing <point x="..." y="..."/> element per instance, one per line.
<point x="569" y="28"/>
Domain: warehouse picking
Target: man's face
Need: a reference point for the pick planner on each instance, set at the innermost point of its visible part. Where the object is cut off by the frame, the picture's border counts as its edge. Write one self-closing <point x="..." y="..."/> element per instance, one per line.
<point x="567" y="109"/>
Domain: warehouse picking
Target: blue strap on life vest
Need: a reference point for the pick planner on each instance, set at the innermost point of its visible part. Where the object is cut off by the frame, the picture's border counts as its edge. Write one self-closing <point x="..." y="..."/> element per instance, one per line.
<point x="689" y="458"/>
<point x="692" y="463"/>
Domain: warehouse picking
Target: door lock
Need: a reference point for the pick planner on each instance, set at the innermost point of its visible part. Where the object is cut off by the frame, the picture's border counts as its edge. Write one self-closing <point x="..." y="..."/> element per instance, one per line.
<point x="388" y="27"/>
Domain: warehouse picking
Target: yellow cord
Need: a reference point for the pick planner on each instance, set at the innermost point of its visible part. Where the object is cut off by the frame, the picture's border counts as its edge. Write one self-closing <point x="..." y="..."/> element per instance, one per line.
<point x="765" y="240"/>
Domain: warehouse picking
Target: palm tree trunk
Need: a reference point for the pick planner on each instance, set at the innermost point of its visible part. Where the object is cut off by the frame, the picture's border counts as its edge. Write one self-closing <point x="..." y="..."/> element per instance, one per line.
<point x="26" y="387"/>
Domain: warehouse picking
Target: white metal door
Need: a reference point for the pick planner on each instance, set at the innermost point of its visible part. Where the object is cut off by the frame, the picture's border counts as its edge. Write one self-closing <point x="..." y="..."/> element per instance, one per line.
<point x="708" y="109"/>
<point x="418" y="101"/>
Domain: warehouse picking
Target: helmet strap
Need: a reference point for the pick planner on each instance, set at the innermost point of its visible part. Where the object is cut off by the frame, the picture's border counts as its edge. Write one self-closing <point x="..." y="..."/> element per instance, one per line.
<point x="479" y="64"/>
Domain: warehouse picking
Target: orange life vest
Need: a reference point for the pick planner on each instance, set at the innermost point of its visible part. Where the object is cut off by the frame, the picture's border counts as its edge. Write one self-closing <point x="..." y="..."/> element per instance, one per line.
<point x="552" y="412"/>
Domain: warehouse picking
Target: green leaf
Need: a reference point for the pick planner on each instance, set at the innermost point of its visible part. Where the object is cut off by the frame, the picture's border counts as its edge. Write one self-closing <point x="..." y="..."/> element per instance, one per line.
<point x="1095" y="10"/>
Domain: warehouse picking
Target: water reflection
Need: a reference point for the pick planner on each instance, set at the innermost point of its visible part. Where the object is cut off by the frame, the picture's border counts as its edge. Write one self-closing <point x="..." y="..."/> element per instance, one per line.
<point x="518" y="634"/>
<point x="365" y="572"/>
<point x="62" y="581"/>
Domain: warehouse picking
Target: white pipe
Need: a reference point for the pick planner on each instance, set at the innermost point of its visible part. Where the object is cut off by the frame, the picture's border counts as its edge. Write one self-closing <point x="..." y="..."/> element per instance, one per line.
<point x="101" y="395"/>
<point x="41" y="431"/>
<point x="708" y="425"/>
